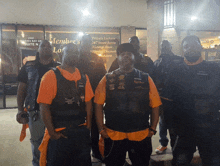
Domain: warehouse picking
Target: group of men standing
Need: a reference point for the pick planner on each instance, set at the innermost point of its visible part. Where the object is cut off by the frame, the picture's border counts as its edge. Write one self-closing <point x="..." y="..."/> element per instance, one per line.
<point x="61" y="98"/>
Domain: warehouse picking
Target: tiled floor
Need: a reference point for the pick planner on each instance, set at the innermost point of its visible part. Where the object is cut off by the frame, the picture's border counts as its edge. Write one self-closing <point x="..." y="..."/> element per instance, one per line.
<point x="15" y="153"/>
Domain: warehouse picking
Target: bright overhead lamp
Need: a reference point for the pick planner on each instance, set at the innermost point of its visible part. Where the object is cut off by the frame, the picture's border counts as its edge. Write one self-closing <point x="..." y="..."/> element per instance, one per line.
<point x="193" y="18"/>
<point x="23" y="42"/>
<point x="86" y="12"/>
<point x="80" y="34"/>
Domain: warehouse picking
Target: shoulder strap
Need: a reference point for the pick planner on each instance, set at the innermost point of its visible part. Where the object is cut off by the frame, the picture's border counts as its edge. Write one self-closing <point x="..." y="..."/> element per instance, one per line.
<point x="144" y="76"/>
<point x="83" y="77"/>
<point x="57" y="73"/>
<point x="81" y="84"/>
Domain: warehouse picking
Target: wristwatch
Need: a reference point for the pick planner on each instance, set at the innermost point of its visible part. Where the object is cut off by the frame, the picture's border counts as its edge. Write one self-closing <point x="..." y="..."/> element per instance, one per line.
<point x="155" y="132"/>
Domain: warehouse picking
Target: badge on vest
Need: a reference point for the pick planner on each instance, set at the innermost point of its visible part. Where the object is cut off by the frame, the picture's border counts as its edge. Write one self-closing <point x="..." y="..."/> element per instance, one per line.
<point x="140" y="87"/>
<point x="70" y="101"/>
<point x="111" y="80"/>
<point x="81" y="85"/>
<point x="111" y="86"/>
<point x="138" y="81"/>
<point x="121" y="77"/>
<point x="121" y="85"/>
<point x="121" y="82"/>
<point x="202" y="73"/>
<point x="82" y="98"/>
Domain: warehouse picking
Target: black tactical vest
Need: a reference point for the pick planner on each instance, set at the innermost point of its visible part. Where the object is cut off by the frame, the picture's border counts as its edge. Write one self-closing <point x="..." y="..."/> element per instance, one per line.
<point x="163" y="65"/>
<point x="68" y="107"/>
<point x="34" y="78"/>
<point x="127" y="101"/>
<point x="197" y="94"/>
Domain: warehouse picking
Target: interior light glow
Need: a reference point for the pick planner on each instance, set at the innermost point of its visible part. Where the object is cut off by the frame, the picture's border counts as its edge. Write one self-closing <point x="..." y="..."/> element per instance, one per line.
<point x="99" y="54"/>
<point x="193" y="18"/>
<point x="22" y="34"/>
<point x="80" y="34"/>
<point x="23" y="42"/>
<point x="86" y="12"/>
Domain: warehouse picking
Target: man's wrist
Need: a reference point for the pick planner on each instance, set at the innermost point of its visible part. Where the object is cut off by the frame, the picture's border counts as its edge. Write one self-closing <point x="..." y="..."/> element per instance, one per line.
<point x="153" y="127"/>
<point x="153" y="130"/>
<point x="101" y="129"/>
<point x="51" y="132"/>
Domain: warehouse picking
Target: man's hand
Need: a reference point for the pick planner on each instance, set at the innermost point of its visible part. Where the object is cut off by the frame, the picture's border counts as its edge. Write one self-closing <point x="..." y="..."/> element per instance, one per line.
<point x="104" y="134"/>
<point x="57" y="135"/>
<point x="22" y="117"/>
<point x="150" y="134"/>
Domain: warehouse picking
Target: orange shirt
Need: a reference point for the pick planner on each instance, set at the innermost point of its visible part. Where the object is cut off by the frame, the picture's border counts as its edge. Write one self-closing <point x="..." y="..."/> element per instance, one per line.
<point x="48" y="86"/>
<point x="100" y="96"/>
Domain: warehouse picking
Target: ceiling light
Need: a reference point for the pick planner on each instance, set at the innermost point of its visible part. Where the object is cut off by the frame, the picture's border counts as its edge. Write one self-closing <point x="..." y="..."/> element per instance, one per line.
<point x="86" y="12"/>
<point x="80" y="34"/>
<point x="23" y="42"/>
<point x="193" y="18"/>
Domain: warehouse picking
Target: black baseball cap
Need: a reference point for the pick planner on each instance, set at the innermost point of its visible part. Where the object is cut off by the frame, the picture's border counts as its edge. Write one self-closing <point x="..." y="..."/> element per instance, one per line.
<point x="125" y="47"/>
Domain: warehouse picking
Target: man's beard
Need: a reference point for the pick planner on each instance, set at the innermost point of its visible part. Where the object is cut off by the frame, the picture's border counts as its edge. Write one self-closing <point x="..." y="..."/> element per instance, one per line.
<point x="71" y="63"/>
<point x="192" y="57"/>
<point x="47" y="56"/>
<point x="126" y="66"/>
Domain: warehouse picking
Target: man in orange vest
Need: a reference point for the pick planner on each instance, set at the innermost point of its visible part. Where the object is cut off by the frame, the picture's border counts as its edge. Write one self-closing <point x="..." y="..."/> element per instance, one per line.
<point x="130" y="96"/>
<point x="65" y="104"/>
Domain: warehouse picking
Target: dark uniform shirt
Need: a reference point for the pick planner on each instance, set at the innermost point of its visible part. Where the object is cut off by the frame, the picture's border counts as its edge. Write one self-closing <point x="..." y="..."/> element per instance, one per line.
<point x="94" y="68"/>
<point x="142" y="63"/>
<point x="42" y="69"/>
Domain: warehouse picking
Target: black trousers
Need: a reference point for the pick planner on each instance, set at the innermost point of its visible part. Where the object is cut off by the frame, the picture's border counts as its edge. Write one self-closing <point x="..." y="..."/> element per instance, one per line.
<point x="95" y="137"/>
<point x="71" y="151"/>
<point x="208" y="143"/>
<point x="139" y="152"/>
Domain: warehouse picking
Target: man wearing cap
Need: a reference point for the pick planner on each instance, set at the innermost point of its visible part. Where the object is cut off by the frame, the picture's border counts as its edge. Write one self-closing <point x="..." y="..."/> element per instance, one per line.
<point x="141" y="62"/>
<point x="65" y="104"/>
<point x="130" y="96"/>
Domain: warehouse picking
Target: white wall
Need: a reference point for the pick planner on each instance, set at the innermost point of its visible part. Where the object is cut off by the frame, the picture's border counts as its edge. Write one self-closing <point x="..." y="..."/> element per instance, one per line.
<point x="105" y="13"/>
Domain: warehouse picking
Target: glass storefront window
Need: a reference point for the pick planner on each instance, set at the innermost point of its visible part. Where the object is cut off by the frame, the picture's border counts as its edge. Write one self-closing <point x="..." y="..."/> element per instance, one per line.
<point x="142" y="35"/>
<point x="10" y="66"/>
<point x="105" y="40"/>
<point x="211" y="44"/>
<point x="28" y="39"/>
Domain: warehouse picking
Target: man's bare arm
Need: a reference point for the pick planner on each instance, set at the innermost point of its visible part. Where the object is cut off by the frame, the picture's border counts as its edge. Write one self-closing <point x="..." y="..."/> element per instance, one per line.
<point x="89" y="114"/>
<point x="47" y="119"/>
<point x="154" y="117"/>
<point x="99" y="120"/>
<point x="21" y="95"/>
<point x="154" y="120"/>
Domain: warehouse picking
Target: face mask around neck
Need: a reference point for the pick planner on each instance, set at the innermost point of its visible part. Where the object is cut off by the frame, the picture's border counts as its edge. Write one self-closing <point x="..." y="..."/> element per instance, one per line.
<point x="192" y="58"/>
